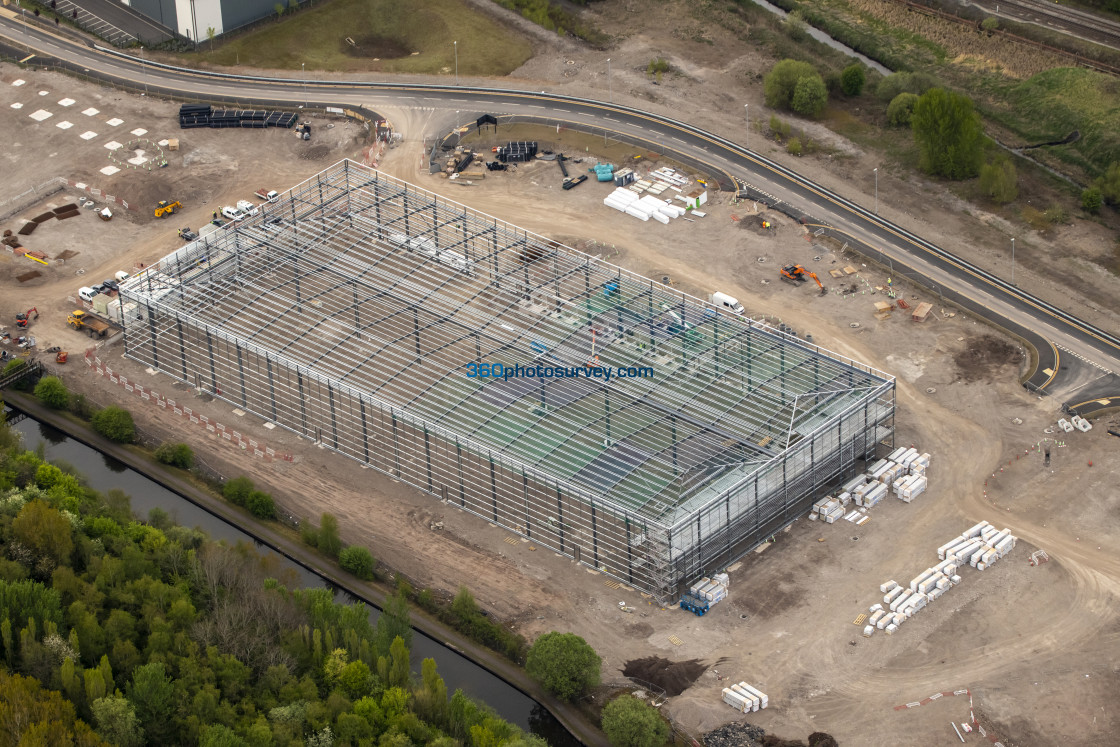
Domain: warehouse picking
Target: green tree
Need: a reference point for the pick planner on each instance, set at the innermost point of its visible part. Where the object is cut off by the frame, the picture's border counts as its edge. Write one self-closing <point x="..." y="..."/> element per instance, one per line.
<point x="990" y="24"/>
<point x="328" y="540"/>
<point x="901" y="109"/>
<point x="220" y="735"/>
<point x="44" y="530"/>
<point x="355" y="679"/>
<point x="630" y="722"/>
<point x="261" y="505"/>
<point x="210" y="34"/>
<point x="53" y="393"/>
<point x="999" y="181"/>
<point x="358" y="560"/>
<point x="399" y="669"/>
<point x="153" y="695"/>
<point x="810" y="96"/>
<point x="237" y="490"/>
<point x="949" y="134"/>
<point x="1091" y="200"/>
<point x="853" y="79"/>
<point x="780" y="83"/>
<point x="32" y="716"/>
<point x="115" y="423"/>
<point x="564" y="664"/>
<point x="394" y="622"/>
<point x="177" y="455"/>
<point x="1109" y="184"/>
<point x="117" y="722"/>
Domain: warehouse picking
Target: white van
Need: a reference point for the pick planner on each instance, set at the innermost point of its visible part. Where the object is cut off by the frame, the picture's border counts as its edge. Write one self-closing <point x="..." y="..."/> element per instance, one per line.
<point x="232" y="213"/>
<point x="247" y="207"/>
<point x="86" y="294"/>
<point x="728" y="303"/>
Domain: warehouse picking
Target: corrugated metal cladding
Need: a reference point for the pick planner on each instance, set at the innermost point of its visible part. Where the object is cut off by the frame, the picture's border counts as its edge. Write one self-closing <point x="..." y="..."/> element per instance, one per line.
<point x="192" y="18"/>
<point x="349" y="311"/>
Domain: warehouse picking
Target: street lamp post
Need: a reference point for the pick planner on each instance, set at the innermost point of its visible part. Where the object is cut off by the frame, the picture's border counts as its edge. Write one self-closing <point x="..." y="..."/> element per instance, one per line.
<point x="456" y="43"/>
<point x="876" y="191"/>
<point x="747" y="115"/>
<point x="610" y="85"/>
<point x="1013" y="260"/>
<point x="303" y="75"/>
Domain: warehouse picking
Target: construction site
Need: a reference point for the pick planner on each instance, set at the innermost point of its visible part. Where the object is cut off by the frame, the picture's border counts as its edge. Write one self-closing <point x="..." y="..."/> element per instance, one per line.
<point x="351" y="310"/>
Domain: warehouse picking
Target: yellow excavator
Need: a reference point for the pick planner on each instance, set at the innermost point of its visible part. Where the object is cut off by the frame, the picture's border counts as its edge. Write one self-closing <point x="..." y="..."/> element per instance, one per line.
<point x="165" y="208"/>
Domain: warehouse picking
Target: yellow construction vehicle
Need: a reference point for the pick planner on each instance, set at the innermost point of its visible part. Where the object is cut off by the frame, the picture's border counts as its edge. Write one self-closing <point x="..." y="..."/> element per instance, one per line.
<point x="165" y="208"/>
<point x="93" y="326"/>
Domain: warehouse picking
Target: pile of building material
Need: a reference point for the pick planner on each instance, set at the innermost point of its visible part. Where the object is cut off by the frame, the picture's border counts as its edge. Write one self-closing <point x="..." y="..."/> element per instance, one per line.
<point x="903" y="472"/>
<point x="203" y="115"/>
<point x="744" y="698"/>
<point x="979" y="546"/>
<point x="520" y="151"/>
<point x="704" y="593"/>
<point x="642" y="208"/>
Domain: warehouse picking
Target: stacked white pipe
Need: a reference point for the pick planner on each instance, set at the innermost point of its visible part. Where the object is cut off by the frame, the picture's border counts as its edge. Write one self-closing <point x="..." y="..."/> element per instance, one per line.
<point x="642" y="208"/>
<point x="979" y="546"/>
<point x="745" y="698"/>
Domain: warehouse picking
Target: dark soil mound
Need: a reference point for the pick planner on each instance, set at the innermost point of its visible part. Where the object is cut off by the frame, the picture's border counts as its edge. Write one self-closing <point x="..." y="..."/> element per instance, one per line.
<point x="984" y="356"/>
<point x="820" y="739"/>
<point x="674" y="677"/>
<point x="735" y="734"/>
<point x="376" y="46"/>
<point x="316" y="153"/>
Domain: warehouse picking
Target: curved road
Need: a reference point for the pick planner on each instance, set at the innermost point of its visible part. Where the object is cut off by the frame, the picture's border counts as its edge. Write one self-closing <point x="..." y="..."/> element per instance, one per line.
<point x="1052" y="331"/>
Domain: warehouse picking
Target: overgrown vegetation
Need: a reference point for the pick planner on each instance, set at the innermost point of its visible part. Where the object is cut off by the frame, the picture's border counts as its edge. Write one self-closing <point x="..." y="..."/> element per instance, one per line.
<point x="117" y="631"/>
<point x="554" y="17"/>
<point x="176" y="455"/>
<point x="115" y="423"/>
<point x="949" y="134"/>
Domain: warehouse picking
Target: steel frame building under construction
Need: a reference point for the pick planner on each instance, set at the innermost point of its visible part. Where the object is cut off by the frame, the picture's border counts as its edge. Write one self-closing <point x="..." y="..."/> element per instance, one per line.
<point x="348" y="311"/>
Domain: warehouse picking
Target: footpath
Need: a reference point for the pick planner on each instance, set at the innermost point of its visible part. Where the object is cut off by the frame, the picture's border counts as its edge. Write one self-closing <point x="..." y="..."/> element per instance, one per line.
<point x="567" y="714"/>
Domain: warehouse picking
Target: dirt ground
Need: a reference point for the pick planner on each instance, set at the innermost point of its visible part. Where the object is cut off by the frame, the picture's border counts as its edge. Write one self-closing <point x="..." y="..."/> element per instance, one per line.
<point x="1035" y="646"/>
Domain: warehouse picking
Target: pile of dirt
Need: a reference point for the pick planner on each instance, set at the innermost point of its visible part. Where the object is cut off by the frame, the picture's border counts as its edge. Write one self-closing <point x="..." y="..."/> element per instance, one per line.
<point x="316" y="153"/>
<point x="674" y="677"/>
<point x="373" y="46"/>
<point x="743" y="734"/>
<point x="984" y="355"/>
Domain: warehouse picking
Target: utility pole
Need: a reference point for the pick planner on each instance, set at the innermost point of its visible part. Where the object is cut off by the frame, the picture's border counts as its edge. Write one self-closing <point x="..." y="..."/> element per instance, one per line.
<point x="456" y="43"/>
<point x="1013" y="260"/>
<point x="303" y="75"/>
<point x="610" y="85"/>
<point x="747" y="114"/>
<point x="876" y="191"/>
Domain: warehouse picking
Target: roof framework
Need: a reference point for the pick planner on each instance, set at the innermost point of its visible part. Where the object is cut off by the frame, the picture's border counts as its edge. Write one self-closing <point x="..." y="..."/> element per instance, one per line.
<point x="391" y="291"/>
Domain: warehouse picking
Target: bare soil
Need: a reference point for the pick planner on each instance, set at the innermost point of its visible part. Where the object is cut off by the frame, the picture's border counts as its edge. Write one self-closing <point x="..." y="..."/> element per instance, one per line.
<point x="673" y="677"/>
<point x="1035" y="647"/>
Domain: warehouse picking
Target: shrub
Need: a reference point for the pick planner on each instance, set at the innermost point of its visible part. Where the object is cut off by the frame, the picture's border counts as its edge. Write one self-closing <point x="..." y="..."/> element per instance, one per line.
<point x="115" y="423"/>
<point x="795" y="27"/>
<point x="630" y="722"/>
<point x="999" y="181"/>
<point x="261" y="505"/>
<point x="328" y="540"/>
<point x="177" y="455"/>
<point x="1109" y="184"/>
<point x="896" y="83"/>
<point x="564" y="664"/>
<point x="810" y="96"/>
<point x="52" y="392"/>
<point x="853" y="79"/>
<point x="794" y="147"/>
<point x="949" y="134"/>
<point x="237" y="490"/>
<point x="81" y="406"/>
<point x="657" y="66"/>
<point x="1056" y="215"/>
<point x="1091" y="200"/>
<point x="308" y="533"/>
<point x="357" y="560"/>
<point x="990" y="24"/>
<point x="901" y="109"/>
<point x="780" y="83"/>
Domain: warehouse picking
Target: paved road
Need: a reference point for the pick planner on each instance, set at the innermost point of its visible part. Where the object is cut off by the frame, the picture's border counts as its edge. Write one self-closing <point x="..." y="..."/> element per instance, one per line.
<point x="1049" y="329"/>
<point x="122" y="18"/>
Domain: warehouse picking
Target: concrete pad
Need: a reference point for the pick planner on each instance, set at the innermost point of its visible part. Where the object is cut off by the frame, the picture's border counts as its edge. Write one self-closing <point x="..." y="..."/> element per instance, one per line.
<point x="66" y="102"/>
<point x="90" y="112"/>
<point x="17" y="105"/>
<point x="139" y="131"/>
<point x="88" y="135"/>
<point x="114" y="122"/>
<point x="18" y="82"/>
<point x="113" y="145"/>
<point x="109" y="170"/>
<point x="44" y="93"/>
<point x="40" y="115"/>
<point x="64" y="125"/>
<point x="139" y="159"/>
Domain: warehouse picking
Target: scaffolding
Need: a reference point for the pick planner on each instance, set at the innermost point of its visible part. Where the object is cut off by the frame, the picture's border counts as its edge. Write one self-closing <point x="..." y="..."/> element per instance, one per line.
<point x="350" y="310"/>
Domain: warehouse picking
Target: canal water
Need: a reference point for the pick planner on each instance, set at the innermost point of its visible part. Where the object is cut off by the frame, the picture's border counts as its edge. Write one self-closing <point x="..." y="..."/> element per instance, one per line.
<point x="824" y="38"/>
<point x="103" y="473"/>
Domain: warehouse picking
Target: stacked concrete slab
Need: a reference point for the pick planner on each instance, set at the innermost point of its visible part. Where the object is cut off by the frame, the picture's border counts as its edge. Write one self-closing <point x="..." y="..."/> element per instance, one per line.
<point x="903" y="473"/>
<point x="979" y="546"/>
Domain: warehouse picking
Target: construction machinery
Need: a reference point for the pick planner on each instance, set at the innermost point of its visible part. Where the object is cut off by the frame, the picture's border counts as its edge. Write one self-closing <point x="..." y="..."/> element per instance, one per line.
<point x="22" y="320"/>
<point x="61" y="356"/>
<point x="93" y="326"/>
<point x="695" y="604"/>
<point x="797" y="274"/>
<point x="165" y="208"/>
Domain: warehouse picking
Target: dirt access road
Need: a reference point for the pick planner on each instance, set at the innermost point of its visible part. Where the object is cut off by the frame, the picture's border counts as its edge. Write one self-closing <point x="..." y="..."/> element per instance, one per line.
<point x="1021" y="639"/>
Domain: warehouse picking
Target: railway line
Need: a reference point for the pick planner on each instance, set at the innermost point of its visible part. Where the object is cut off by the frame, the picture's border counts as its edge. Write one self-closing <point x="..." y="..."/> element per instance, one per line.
<point x="1076" y="22"/>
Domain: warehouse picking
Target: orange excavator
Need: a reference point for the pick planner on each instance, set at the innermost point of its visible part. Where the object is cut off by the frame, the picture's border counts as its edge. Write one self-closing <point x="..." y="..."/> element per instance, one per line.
<point x="24" y="319"/>
<point x="797" y="274"/>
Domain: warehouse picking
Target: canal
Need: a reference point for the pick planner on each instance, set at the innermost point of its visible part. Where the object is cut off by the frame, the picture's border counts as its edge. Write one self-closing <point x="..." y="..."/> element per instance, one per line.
<point x="103" y="472"/>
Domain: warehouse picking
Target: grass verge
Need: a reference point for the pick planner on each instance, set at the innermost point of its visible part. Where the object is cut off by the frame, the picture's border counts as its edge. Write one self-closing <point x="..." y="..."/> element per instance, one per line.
<point x="391" y="36"/>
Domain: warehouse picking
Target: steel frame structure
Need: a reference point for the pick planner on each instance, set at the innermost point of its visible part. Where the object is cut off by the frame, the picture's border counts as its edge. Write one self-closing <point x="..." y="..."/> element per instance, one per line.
<point x="348" y="311"/>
